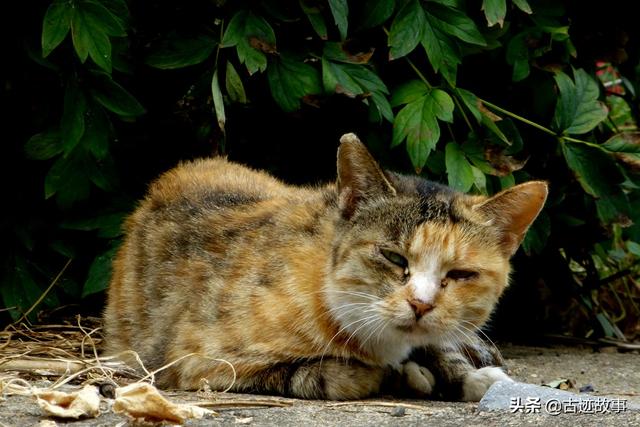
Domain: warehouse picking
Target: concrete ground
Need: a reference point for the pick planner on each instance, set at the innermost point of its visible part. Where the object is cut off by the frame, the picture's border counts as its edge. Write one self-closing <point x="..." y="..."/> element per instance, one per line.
<point x="607" y="372"/>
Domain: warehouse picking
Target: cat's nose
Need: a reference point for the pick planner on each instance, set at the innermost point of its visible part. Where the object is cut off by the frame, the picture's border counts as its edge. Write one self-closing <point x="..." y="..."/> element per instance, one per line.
<point x="420" y="307"/>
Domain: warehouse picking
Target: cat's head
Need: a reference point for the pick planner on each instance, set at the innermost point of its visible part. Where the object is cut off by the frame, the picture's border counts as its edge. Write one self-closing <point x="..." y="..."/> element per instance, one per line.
<point x="418" y="260"/>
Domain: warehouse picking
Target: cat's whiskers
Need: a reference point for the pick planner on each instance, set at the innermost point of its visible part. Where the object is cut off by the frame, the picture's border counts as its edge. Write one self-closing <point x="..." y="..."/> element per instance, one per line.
<point x="341" y="330"/>
<point x="481" y="332"/>
<point x="381" y="325"/>
<point x="371" y="320"/>
<point x="466" y="338"/>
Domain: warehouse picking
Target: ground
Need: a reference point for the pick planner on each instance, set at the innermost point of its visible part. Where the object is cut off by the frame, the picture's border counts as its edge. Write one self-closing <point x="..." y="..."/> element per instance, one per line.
<point x="608" y="371"/>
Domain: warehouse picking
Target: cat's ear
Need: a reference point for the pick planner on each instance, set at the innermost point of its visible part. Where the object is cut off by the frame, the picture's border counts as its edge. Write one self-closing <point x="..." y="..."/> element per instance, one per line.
<point x="514" y="210"/>
<point x="359" y="176"/>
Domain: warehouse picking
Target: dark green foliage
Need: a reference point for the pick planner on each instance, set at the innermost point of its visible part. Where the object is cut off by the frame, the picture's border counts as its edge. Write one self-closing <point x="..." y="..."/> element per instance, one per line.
<point x="482" y="95"/>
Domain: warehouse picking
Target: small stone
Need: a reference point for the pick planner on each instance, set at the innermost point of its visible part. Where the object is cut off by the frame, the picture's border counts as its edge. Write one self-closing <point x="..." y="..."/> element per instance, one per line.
<point x="587" y="389"/>
<point x="108" y="390"/>
<point x="398" y="411"/>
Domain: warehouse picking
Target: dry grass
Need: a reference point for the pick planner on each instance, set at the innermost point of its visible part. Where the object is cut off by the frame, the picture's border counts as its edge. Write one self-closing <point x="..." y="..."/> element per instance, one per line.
<point x="66" y="353"/>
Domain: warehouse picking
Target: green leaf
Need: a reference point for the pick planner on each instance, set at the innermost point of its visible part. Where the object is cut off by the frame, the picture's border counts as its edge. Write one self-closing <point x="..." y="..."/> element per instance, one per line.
<point x="67" y="181"/>
<point x="523" y="5"/>
<point x="495" y="11"/>
<point x="96" y="135"/>
<point x="235" y="29"/>
<point x="259" y="34"/>
<point x="518" y="56"/>
<point x="291" y="80"/>
<point x="455" y="22"/>
<point x="314" y="15"/>
<point x="614" y="208"/>
<point x="594" y="168"/>
<point x="417" y="123"/>
<point x="409" y="92"/>
<point x="72" y="124"/>
<point x="174" y="52"/>
<point x="578" y="110"/>
<point x="354" y="80"/>
<point x="99" y="273"/>
<point x="536" y="238"/>
<point x="487" y="121"/>
<point x="479" y="180"/>
<point x="89" y="39"/>
<point x="442" y="105"/>
<point x="43" y="146"/>
<point x="406" y="29"/>
<point x="218" y="103"/>
<point x="459" y="171"/>
<point x="252" y="58"/>
<point x="114" y="97"/>
<point x="625" y="147"/>
<point x="253" y="36"/>
<point x="55" y="25"/>
<point x="471" y="102"/>
<point x="101" y="18"/>
<point x="338" y="51"/>
<point x="634" y="248"/>
<point x="376" y="12"/>
<point x="336" y="79"/>
<point x="381" y="104"/>
<point x="624" y="142"/>
<point x="107" y="225"/>
<point x="80" y="35"/>
<point x="234" y="85"/>
<point x="442" y="51"/>
<point x="340" y="12"/>
<point x="102" y="173"/>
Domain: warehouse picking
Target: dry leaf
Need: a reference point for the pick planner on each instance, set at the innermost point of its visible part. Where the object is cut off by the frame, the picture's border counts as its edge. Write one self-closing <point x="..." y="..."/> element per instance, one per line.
<point x="83" y="403"/>
<point x="143" y="401"/>
<point x="561" y="383"/>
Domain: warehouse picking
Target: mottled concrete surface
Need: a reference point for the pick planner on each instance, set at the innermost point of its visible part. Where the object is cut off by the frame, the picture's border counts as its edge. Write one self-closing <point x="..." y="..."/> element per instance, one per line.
<point x="609" y="373"/>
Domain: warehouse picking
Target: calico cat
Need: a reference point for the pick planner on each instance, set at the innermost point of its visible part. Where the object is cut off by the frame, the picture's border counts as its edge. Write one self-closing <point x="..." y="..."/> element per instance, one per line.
<point x="377" y="282"/>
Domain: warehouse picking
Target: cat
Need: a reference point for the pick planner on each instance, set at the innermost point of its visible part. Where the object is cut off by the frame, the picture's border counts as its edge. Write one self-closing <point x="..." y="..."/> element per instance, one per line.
<point x="377" y="282"/>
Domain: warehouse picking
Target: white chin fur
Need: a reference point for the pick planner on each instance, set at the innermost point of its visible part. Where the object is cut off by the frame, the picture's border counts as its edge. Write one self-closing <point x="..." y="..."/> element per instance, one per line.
<point x="477" y="382"/>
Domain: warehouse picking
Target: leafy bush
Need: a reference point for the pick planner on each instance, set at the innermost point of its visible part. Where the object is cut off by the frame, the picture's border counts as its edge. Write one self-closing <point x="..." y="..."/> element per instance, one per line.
<point x="481" y="95"/>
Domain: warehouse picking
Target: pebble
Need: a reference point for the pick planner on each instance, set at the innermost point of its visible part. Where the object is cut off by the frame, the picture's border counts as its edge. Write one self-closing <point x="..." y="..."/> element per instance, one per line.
<point x="398" y="411"/>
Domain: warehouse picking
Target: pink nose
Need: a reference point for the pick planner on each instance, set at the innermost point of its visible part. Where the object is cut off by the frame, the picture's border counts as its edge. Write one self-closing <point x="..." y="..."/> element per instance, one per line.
<point x="420" y="307"/>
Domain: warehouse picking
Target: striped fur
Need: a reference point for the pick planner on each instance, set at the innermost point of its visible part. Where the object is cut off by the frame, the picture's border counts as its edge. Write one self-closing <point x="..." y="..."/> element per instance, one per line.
<point x="292" y="286"/>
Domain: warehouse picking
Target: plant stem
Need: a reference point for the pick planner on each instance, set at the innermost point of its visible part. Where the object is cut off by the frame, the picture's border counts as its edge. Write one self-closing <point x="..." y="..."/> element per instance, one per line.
<point x="538" y="126"/>
<point x="461" y="110"/>
<point x="44" y="294"/>
<point x="419" y="73"/>
<point x="520" y="118"/>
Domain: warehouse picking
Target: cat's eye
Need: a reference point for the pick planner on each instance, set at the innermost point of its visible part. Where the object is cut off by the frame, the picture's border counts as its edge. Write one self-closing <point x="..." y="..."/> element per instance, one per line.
<point x="395" y="258"/>
<point x="461" y="274"/>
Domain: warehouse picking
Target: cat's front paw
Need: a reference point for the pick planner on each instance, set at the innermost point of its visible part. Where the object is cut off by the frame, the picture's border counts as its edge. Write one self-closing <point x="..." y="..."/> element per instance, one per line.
<point x="477" y="382"/>
<point x="418" y="378"/>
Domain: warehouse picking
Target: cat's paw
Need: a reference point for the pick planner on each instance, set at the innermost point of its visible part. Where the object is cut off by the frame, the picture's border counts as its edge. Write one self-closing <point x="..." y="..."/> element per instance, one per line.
<point x="477" y="382"/>
<point x="418" y="378"/>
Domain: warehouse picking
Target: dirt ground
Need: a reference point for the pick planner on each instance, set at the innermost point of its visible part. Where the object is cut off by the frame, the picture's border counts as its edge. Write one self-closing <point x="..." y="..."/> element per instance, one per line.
<point x="607" y="371"/>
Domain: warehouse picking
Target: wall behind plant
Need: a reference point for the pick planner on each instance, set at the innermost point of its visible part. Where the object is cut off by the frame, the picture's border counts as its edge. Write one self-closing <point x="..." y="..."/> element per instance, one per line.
<point x="102" y="95"/>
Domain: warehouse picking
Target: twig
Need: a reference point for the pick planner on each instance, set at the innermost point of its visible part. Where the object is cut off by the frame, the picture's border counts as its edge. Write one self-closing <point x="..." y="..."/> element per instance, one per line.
<point x="244" y="403"/>
<point x="56" y="367"/>
<point x="379" y="403"/>
<point x="44" y="294"/>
